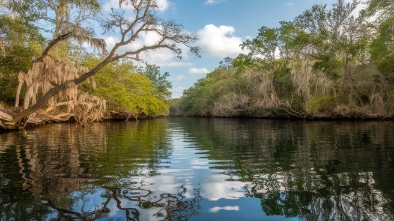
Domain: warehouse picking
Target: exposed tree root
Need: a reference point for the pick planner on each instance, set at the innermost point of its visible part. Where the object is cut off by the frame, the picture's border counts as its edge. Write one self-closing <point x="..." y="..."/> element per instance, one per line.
<point x="89" y="108"/>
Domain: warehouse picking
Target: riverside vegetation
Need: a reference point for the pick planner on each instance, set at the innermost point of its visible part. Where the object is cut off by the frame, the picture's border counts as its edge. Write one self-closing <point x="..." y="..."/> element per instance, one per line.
<point x="329" y="62"/>
<point x="58" y="75"/>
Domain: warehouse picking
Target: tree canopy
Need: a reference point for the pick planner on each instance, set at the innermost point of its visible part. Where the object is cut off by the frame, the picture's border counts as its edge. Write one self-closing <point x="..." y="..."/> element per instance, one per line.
<point x="328" y="62"/>
<point x="71" y="22"/>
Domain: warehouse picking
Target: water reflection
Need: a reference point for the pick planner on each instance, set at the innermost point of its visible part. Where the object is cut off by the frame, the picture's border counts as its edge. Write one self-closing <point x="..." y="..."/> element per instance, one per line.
<point x="76" y="172"/>
<point x="199" y="169"/>
<point x="310" y="170"/>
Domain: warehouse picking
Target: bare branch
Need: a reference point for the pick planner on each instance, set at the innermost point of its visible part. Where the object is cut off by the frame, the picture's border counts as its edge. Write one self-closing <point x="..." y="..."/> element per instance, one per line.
<point x="53" y="43"/>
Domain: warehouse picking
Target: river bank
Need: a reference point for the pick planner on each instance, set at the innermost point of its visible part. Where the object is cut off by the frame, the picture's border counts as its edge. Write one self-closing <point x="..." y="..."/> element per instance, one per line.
<point x="38" y="119"/>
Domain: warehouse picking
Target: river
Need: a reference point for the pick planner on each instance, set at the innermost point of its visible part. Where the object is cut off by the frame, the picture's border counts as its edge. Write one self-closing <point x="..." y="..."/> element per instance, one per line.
<point x="199" y="169"/>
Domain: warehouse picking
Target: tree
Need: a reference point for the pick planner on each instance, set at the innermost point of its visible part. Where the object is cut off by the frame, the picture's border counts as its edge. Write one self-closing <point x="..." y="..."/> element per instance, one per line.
<point x="328" y="31"/>
<point x="14" y="60"/>
<point x="382" y="47"/>
<point x="385" y="7"/>
<point x="293" y="41"/>
<point x="129" y="28"/>
<point x="159" y="81"/>
<point x="128" y="94"/>
<point x="336" y="43"/>
<point x="19" y="43"/>
<point x="241" y="63"/>
<point x="265" y="44"/>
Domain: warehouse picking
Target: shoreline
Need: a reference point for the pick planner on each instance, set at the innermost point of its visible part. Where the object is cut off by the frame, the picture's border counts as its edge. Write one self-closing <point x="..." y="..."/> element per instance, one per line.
<point x="118" y="117"/>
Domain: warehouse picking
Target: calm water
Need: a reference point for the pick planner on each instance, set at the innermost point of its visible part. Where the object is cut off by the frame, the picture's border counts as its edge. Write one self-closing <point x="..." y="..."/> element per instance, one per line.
<point x="199" y="169"/>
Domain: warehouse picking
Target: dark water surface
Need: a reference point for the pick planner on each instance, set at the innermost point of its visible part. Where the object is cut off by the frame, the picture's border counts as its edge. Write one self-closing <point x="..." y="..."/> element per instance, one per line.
<point x="199" y="169"/>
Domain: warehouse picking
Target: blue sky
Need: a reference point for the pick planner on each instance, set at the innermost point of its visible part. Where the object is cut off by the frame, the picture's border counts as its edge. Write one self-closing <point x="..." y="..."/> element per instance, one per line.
<point x="221" y="26"/>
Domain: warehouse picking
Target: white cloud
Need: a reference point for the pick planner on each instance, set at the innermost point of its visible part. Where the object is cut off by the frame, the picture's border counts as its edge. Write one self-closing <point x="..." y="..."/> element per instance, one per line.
<point x="175" y="64"/>
<point x="219" y="41"/>
<point x="198" y="71"/>
<point x="110" y="42"/>
<point x="289" y="4"/>
<point x="211" y="2"/>
<point x="163" y="4"/>
<point x="360" y="7"/>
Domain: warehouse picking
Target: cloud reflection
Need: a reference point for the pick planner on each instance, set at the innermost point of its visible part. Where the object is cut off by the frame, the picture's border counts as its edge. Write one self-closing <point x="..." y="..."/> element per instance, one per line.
<point x="227" y="208"/>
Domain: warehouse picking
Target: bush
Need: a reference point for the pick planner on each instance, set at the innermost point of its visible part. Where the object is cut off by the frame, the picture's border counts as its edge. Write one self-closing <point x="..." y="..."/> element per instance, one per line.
<point x="321" y="104"/>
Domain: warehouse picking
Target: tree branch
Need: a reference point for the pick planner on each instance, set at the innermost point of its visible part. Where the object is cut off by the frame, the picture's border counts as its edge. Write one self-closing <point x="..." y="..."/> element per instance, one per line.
<point x="53" y="43"/>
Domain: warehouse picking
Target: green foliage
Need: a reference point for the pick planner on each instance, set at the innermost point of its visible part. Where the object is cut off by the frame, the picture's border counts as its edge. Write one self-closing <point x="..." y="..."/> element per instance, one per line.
<point x="384" y="6"/>
<point x="265" y="44"/>
<point x="293" y="38"/>
<point x="321" y="104"/>
<point x="60" y="18"/>
<point x="15" y="31"/>
<point x="242" y="62"/>
<point x="226" y="64"/>
<point x="159" y="81"/>
<point x="382" y="49"/>
<point x="283" y="83"/>
<point x="329" y="65"/>
<point x="18" y="58"/>
<point x="15" y="59"/>
<point x="126" y="92"/>
<point x="323" y="67"/>
<point x="336" y="37"/>
<point x="8" y="84"/>
<point x="19" y="45"/>
<point x="199" y="100"/>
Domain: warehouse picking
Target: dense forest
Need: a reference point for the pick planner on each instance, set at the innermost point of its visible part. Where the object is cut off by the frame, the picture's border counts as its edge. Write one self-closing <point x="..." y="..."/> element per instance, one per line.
<point x="329" y="62"/>
<point x="54" y="67"/>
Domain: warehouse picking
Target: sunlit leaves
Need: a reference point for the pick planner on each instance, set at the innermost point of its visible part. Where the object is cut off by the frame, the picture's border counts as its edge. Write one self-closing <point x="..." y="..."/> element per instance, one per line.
<point x="126" y="92"/>
<point x="161" y="86"/>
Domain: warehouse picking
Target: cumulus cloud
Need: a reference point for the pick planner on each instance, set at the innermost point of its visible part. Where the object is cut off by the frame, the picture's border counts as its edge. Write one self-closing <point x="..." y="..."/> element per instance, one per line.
<point x="198" y="71"/>
<point x="219" y="41"/>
